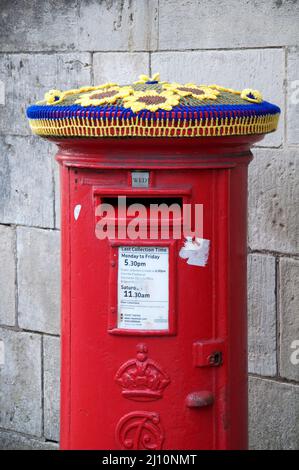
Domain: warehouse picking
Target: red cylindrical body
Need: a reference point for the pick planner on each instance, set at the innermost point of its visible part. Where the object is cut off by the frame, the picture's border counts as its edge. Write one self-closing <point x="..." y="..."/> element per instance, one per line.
<point x="179" y="387"/>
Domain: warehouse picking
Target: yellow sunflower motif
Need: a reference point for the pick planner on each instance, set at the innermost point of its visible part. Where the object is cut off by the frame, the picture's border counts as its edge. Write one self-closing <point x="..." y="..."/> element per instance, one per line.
<point x="254" y="96"/>
<point x="151" y="100"/>
<point x="200" y="92"/>
<point x="147" y="79"/>
<point x="53" y="97"/>
<point x="57" y="96"/>
<point x="108" y="95"/>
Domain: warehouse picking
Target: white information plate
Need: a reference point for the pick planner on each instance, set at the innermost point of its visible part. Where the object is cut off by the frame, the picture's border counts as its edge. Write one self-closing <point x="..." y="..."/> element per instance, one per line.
<point x="143" y="285"/>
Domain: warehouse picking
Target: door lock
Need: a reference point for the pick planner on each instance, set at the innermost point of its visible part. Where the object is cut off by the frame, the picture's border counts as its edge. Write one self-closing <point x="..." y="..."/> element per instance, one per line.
<point x="208" y="353"/>
<point x="215" y="359"/>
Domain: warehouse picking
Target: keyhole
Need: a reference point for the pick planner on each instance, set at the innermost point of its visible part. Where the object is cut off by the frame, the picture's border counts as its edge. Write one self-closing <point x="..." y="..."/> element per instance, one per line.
<point x="216" y="358"/>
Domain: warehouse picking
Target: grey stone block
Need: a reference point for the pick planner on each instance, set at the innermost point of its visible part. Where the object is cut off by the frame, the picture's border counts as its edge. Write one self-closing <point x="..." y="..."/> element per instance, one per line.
<point x="38" y="279"/>
<point x="32" y="25"/>
<point x="26" y="186"/>
<point x="51" y="387"/>
<point x="122" y="68"/>
<point x="230" y="24"/>
<point x="293" y="96"/>
<point x="289" y="318"/>
<point x="273" y="195"/>
<point x="20" y="378"/>
<point x="118" y="25"/>
<point x="261" y="315"/>
<point x="79" y="25"/>
<point x="253" y="69"/>
<point x="10" y="440"/>
<point x="274" y="415"/>
<point x="27" y="77"/>
<point x="7" y="276"/>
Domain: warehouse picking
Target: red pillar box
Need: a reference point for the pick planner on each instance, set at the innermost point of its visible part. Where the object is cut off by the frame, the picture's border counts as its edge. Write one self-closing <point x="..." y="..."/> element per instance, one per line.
<point x="154" y="297"/>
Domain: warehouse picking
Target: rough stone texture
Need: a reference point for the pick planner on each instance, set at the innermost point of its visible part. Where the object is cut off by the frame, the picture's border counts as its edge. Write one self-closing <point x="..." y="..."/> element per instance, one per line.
<point x="273" y="415"/>
<point x="20" y="378"/>
<point x="51" y="387"/>
<point x="261" y="315"/>
<point x="198" y="24"/>
<point x="253" y="71"/>
<point x="39" y="73"/>
<point x="119" y="67"/>
<point x="14" y="441"/>
<point x="119" y="25"/>
<point x="78" y="25"/>
<point x="38" y="26"/>
<point x="7" y="276"/>
<point x="26" y="186"/>
<point x="293" y="96"/>
<point x="273" y="201"/>
<point x="38" y="279"/>
<point x="289" y="318"/>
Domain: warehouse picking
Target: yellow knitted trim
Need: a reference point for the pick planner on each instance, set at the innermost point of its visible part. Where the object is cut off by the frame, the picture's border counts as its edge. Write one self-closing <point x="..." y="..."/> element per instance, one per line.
<point x="135" y="127"/>
<point x="222" y="88"/>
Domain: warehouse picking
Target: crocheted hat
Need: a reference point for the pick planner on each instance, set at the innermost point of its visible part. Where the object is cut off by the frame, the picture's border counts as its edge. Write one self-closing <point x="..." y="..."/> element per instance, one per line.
<point x="151" y="108"/>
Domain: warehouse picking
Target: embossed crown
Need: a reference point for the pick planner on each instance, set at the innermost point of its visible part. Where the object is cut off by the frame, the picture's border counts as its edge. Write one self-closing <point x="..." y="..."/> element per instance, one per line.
<point x="142" y="379"/>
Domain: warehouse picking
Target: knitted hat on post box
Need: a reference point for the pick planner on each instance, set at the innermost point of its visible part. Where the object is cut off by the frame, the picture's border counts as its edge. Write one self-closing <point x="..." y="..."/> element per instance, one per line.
<point x="151" y="108"/>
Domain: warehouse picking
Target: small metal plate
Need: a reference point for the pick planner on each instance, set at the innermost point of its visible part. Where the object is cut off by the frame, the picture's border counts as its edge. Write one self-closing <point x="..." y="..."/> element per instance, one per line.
<point x="140" y="179"/>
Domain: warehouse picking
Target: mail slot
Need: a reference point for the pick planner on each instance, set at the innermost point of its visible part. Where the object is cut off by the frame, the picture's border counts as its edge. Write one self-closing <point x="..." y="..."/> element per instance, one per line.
<point x="158" y="210"/>
<point x="154" y="219"/>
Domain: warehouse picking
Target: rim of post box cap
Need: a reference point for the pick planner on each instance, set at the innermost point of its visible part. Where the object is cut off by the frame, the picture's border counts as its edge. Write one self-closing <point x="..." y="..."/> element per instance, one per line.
<point x="150" y="108"/>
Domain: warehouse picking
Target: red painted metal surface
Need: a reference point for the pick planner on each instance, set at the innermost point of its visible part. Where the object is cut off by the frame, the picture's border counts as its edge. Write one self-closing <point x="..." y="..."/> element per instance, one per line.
<point x="185" y="388"/>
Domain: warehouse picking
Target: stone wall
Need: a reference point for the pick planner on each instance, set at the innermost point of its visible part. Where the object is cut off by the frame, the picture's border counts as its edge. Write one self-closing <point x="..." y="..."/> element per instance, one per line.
<point x="63" y="44"/>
